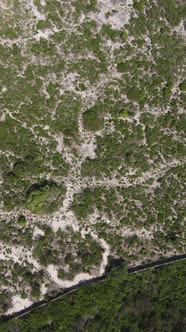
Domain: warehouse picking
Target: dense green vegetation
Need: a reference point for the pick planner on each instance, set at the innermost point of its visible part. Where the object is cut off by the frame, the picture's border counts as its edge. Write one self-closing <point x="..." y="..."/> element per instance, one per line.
<point x="91" y="137"/>
<point x="44" y="197"/>
<point x="150" y="68"/>
<point x="149" y="301"/>
<point x="93" y="118"/>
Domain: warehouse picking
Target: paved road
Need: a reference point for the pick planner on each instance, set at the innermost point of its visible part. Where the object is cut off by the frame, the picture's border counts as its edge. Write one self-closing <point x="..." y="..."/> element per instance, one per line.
<point x="74" y="288"/>
<point x="156" y="264"/>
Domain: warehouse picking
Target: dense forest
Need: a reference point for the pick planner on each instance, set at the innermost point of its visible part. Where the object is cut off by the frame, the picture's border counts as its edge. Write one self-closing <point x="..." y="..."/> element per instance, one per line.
<point x="148" y="301"/>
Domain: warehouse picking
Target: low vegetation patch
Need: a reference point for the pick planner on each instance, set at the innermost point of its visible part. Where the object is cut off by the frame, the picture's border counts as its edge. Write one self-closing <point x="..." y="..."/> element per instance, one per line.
<point x="44" y="197"/>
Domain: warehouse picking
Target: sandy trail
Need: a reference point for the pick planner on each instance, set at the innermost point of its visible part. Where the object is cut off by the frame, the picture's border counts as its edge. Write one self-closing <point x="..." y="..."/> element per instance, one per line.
<point x="18" y="254"/>
<point x="52" y="269"/>
<point x="19" y="304"/>
<point x="116" y="21"/>
<point x="39" y="16"/>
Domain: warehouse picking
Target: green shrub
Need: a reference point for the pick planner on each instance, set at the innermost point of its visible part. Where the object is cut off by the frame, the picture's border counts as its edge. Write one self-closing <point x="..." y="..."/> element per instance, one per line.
<point x="35" y="290"/>
<point x="9" y="33"/>
<point x="123" y="67"/>
<point x="136" y="94"/>
<point x="182" y="86"/>
<point x="5" y="301"/>
<point x="108" y="31"/>
<point x="44" y="197"/>
<point x="22" y="221"/>
<point x="93" y="118"/>
<point x="139" y="5"/>
<point x="43" y="47"/>
<point x="174" y="11"/>
<point x="42" y="24"/>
